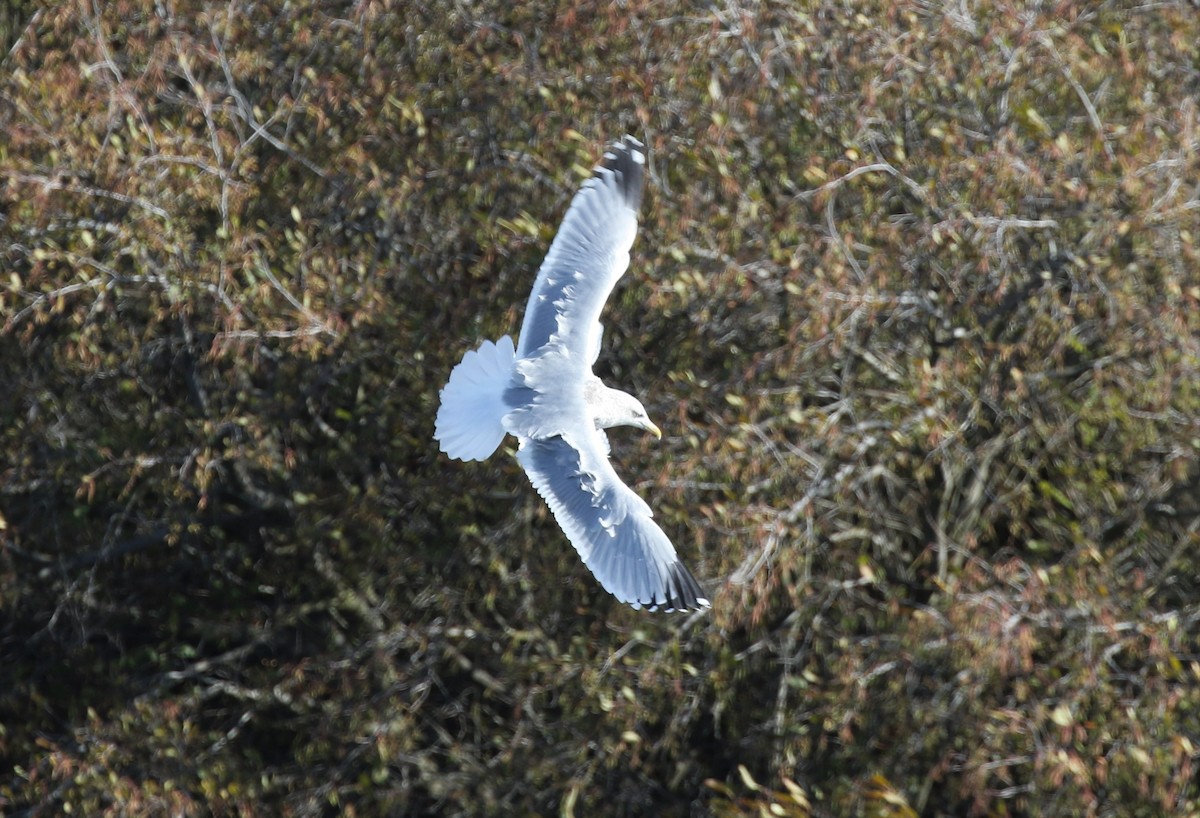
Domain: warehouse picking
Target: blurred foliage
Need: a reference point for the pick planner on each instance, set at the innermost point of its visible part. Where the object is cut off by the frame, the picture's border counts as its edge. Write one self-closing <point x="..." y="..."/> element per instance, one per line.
<point x="915" y="301"/>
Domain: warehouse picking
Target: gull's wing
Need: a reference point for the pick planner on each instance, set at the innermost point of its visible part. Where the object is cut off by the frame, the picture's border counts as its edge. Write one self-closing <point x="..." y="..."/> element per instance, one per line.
<point x="588" y="255"/>
<point x="609" y="525"/>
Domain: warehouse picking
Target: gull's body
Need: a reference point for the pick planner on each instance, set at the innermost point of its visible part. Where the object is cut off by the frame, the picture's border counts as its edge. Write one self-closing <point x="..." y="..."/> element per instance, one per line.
<point x="544" y="393"/>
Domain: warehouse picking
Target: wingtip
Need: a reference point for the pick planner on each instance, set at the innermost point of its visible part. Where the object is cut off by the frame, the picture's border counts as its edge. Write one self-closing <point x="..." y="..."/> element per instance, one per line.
<point x="631" y="144"/>
<point x="627" y="159"/>
<point x="682" y="593"/>
<point x="701" y="604"/>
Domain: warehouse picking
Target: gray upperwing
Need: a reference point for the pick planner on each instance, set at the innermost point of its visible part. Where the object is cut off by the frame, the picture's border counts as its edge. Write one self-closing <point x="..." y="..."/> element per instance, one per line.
<point x="588" y="256"/>
<point x="609" y="525"/>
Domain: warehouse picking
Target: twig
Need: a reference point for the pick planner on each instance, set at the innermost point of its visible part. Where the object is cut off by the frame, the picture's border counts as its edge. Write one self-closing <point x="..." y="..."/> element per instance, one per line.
<point x="833" y="184"/>
<point x="50" y="184"/>
<point x="1048" y="44"/>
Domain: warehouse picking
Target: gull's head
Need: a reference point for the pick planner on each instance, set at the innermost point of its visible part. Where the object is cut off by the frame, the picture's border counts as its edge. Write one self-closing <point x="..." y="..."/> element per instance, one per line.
<point x="612" y="407"/>
<point x="637" y="417"/>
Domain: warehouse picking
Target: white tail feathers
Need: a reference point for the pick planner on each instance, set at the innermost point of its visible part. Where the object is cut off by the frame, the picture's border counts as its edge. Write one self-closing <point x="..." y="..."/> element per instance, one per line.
<point x="469" y="422"/>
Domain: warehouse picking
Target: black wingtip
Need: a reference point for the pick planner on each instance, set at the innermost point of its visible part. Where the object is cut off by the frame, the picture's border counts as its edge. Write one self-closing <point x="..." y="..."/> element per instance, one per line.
<point x="627" y="159"/>
<point x="683" y="593"/>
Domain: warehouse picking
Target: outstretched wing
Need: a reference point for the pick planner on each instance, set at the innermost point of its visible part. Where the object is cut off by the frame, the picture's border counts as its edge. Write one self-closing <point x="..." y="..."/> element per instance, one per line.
<point x="589" y="254"/>
<point x="609" y="525"/>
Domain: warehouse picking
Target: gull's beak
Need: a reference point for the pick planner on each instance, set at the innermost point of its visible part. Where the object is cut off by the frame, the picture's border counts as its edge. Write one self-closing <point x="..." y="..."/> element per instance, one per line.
<point x="654" y="430"/>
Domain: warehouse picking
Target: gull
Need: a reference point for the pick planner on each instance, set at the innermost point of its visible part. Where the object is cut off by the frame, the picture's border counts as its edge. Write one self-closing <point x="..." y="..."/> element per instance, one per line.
<point x="543" y="392"/>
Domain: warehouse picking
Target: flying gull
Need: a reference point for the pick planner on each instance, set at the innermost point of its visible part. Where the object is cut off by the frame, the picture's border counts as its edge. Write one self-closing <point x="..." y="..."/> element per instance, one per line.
<point x="543" y="393"/>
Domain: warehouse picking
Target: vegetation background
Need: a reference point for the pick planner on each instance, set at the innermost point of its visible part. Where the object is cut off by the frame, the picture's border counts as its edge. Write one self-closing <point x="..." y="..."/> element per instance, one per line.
<point x="915" y="301"/>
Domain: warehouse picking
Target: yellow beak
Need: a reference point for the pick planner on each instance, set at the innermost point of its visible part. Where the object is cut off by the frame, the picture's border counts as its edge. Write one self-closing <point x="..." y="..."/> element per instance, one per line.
<point x="654" y="430"/>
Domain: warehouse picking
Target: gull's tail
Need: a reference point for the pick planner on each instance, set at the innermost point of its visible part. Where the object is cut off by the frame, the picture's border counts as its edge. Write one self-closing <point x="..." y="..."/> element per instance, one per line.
<point x="469" y="422"/>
